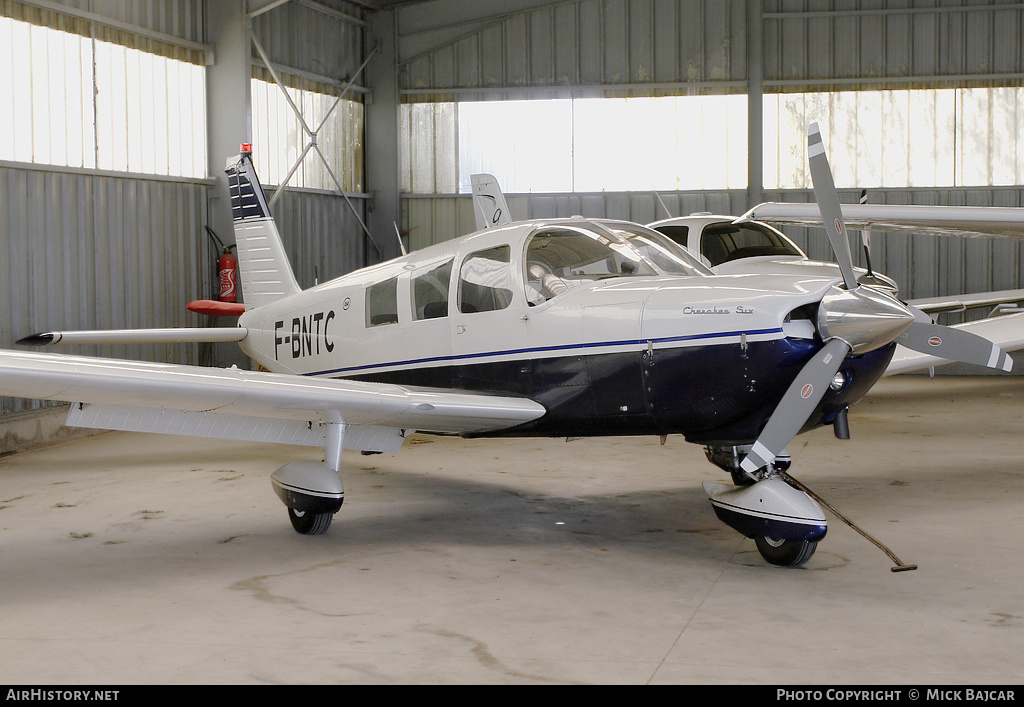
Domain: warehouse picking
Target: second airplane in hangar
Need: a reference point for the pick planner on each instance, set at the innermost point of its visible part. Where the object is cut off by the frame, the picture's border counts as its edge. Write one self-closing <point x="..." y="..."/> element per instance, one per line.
<point x="567" y="327"/>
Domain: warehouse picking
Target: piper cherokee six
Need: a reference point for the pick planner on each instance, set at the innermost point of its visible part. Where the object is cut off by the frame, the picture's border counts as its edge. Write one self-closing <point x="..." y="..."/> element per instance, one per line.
<point x="564" y="327"/>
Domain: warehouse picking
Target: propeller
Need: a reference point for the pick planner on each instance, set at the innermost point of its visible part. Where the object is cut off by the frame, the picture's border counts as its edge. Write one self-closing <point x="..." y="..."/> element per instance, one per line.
<point x="855" y="318"/>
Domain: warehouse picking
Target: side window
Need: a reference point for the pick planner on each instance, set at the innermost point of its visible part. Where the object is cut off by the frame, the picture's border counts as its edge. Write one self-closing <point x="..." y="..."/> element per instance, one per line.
<point x="485" y="281"/>
<point x="430" y="292"/>
<point x="382" y="303"/>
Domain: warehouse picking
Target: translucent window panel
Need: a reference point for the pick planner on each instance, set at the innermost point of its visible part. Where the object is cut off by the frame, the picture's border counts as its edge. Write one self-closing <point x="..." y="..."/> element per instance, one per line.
<point x="428" y="146"/>
<point x="905" y="138"/>
<point x="894" y="138"/>
<point x="526" y="145"/>
<point x="46" y="98"/>
<point x="279" y="138"/>
<point x="76" y="101"/>
<point x="606" y="144"/>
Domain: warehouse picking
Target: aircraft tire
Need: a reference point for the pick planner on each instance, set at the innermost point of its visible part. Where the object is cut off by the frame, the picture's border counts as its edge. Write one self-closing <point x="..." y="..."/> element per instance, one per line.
<point x="309" y="523"/>
<point x="785" y="553"/>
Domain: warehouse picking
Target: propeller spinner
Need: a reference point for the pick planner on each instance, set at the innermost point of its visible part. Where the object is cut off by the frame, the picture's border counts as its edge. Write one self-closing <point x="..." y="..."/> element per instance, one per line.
<point x="855" y="318"/>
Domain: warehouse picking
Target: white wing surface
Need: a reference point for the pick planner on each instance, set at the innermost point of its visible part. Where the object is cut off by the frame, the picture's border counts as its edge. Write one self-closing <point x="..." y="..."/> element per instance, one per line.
<point x="251" y="405"/>
<point x="969" y="221"/>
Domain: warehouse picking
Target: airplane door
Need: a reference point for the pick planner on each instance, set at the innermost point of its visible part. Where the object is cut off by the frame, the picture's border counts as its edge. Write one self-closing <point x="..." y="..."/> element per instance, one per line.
<point x="428" y="331"/>
<point x="489" y="342"/>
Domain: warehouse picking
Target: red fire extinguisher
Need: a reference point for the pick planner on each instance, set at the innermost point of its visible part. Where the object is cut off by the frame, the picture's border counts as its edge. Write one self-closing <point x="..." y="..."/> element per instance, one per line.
<point x="227" y="271"/>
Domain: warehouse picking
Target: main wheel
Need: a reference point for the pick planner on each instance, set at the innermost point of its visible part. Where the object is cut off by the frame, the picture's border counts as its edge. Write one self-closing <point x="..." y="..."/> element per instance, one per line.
<point x="785" y="553"/>
<point x="309" y="523"/>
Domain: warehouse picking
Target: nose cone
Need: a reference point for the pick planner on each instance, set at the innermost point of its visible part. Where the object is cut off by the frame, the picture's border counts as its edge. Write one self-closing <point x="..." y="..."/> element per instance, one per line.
<point x="864" y="318"/>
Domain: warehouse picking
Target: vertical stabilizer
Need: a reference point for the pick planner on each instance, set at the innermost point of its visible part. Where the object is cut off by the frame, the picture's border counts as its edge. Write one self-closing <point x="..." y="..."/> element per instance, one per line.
<point x="263" y="266"/>
<point x="488" y="202"/>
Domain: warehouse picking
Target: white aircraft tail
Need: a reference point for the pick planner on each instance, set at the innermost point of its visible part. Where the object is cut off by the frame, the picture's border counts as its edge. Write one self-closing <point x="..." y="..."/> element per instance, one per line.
<point x="488" y="202"/>
<point x="263" y="266"/>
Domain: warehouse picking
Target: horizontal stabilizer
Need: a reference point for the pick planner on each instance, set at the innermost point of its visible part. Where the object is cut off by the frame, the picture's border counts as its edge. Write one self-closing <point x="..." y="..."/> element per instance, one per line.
<point x="137" y="336"/>
<point x="216" y="308"/>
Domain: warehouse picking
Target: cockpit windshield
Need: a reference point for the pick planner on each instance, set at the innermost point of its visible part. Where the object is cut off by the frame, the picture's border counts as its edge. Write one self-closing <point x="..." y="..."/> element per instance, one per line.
<point x="560" y="258"/>
<point x="728" y="241"/>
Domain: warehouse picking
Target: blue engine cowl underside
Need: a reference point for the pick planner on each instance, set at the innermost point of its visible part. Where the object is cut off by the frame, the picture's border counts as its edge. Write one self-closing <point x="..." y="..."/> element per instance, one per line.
<point x="717" y="394"/>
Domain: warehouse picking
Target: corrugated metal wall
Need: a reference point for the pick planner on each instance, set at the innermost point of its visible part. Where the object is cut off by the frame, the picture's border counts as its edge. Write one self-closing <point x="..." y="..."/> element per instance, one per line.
<point x="868" y="44"/>
<point x="300" y="37"/>
<point x="86" y="251"/>
<point x="179" y="18"/>
<point x="321" y="234"/>
<point x="585" y="43"/>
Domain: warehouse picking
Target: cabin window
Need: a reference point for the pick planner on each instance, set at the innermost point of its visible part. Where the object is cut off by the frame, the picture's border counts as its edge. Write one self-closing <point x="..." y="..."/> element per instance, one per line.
<point x="559" y="260"/>
<point x="382" y="303"/>
<point x="485" y="281"/>
<point x="430" y="292"/>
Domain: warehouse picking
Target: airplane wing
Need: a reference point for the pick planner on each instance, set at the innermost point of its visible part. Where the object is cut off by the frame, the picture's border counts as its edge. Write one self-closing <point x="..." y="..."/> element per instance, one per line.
<point x="969" y="221"/>
<point x="955" y="303"/>
<point x="1006" y="331"/>
<point x="964" y="221"/>
<point x="250" y="405"/>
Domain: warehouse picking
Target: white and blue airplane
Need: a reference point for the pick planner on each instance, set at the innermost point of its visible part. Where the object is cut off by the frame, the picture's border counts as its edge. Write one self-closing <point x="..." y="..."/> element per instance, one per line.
<point x="563" y="327"/>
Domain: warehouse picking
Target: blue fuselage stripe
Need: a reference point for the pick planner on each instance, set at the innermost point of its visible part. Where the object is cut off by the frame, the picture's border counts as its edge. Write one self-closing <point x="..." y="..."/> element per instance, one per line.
<point x="542" y="349"/>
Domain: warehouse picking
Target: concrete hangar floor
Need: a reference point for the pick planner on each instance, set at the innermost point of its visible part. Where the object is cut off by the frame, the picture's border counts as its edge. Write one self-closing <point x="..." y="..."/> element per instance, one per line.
<point x="145" y="559"/>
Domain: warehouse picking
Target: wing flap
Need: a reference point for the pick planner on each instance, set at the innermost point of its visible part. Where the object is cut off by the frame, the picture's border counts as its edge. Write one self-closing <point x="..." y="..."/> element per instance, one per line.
<point x="256" y="394"/>
<point x="130" y="418"/>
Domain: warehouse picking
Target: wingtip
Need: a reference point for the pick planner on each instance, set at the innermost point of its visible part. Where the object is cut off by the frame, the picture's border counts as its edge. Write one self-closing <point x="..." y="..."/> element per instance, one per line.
<point x="40" y="339"/>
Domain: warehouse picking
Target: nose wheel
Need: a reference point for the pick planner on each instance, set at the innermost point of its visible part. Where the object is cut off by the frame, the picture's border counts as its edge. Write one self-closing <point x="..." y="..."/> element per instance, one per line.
<point x="308" y="522"/>
<point x="783" y="552"/>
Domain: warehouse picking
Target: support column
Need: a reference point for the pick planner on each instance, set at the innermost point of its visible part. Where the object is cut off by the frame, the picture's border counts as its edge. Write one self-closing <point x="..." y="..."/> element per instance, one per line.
<point x="382" y="167"/>
<point x="228" y="125"/>
<point x="755" y="104"/>
<point x="228" y="113"/>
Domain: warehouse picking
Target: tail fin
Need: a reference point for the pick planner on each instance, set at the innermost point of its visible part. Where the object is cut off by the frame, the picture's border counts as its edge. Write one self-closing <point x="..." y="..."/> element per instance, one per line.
<point x="263" y="265"/>
<point x="488" y="202"/>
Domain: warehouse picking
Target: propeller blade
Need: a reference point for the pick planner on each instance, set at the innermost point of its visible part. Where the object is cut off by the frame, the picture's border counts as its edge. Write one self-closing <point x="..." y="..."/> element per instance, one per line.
<point x="952" y="344"/>
<point x="828" y="204"/>
<point x="802" y="396"/>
